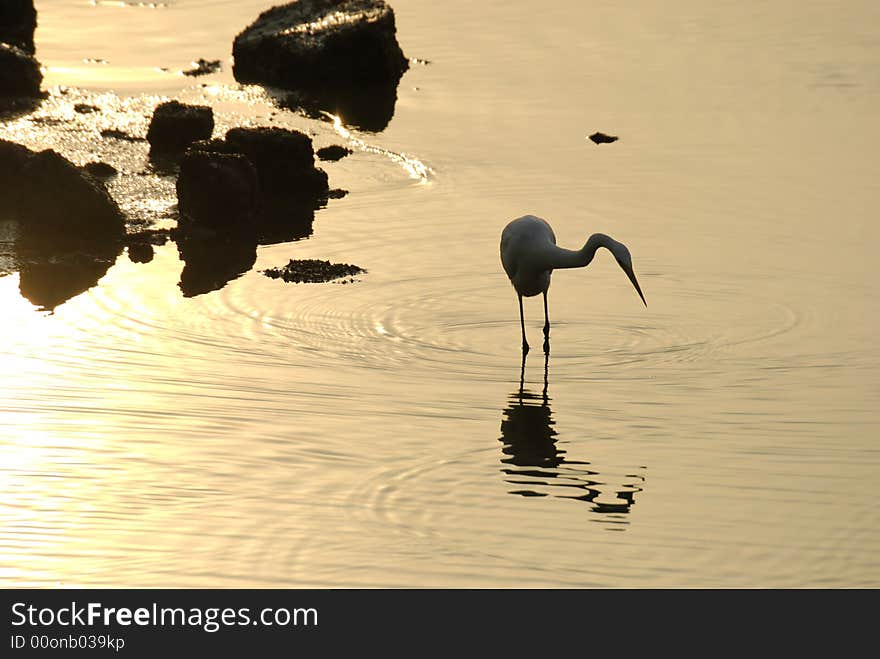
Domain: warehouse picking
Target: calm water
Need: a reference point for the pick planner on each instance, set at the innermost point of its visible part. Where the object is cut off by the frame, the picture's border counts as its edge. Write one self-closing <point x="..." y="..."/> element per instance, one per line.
<point x="378" y="433"/>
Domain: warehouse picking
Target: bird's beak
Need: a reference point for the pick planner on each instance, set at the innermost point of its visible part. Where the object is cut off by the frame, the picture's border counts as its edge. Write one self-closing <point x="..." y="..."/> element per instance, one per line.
<point x="635" y="282"/>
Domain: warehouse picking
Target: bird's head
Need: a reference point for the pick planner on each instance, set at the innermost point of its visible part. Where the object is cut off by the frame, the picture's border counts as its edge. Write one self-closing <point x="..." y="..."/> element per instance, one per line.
<point x="624" y="260"/>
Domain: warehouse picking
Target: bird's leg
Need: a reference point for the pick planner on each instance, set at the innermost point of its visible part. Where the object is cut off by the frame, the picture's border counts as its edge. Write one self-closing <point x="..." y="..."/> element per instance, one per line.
<point x="546" y="326"/>
<point x="546" y="370"/>
<point x="522" y="324"/>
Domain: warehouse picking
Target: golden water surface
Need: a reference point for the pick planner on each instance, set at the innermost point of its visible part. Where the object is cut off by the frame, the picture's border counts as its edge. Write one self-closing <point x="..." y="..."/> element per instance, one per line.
<point x="378" y="433"/>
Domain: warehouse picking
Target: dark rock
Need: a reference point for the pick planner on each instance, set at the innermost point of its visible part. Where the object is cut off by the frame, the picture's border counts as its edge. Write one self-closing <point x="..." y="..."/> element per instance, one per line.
<point x="69" y="228"/>
<point x="117" y="134"/>
<point x="257" y="186"/>
<point x="284" y="159"/>
<point x="60" y="207"/>
<point x="100" y="169"/>
<point x="602" y="138"/>
<point x="203" y="67"/>
<point x="140" y="252"/>
<point x="20" y="73"/>
<point x="336" y="193"/>
<point x="311" y="43"/>
<point x="217" y="189"/>
<point x="18" y="20"/>
<point x="12" y="159"/>
<point x="340" y="55"/>
<point x="85" y="108"/>
<point x="333" y="152"/>
<point x="175" y="126"/>
<point x="313" y="271"/>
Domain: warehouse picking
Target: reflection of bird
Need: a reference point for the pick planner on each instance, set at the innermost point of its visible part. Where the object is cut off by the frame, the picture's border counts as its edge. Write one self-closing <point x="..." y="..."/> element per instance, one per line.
<point x="538" y="467"/>
<point x="529" y="255"/>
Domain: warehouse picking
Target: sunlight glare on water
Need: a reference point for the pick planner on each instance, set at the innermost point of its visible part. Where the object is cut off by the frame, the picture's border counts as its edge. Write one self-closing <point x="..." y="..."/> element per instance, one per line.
<point x="384" y="432"/>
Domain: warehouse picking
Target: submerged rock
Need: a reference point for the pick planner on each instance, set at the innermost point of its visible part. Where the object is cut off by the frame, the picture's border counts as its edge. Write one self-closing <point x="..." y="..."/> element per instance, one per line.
<point x="175" y="126"/>
<point x="313" y="271"/>
<point x="339" y="55"/>
<point x="20" y="73"/>
<point x="18" y="20"/>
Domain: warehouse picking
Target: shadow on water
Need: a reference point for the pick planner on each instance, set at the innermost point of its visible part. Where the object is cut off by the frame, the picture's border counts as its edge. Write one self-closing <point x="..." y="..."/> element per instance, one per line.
<point x="538" y="467"/>
<point x="213" y="259"/>
<point x="367" y="108"/>
<point x="49" y="277"/>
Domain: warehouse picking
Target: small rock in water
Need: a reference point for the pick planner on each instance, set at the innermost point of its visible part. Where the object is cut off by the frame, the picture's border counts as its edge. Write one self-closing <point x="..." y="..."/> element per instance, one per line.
<point x="140" y="252"/>
<point x="100" y="169"/>
<point x="85" y="108"/>
<point x="333" y="152"/>
<point x="602" y="138"/>
<point x="313" y="271"/>
<point x="176" y="125"/>
<point x="203" y="67"/>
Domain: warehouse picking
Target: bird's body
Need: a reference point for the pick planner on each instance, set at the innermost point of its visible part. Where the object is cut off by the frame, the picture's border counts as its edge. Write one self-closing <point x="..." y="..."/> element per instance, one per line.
<point x="529" y="255"/>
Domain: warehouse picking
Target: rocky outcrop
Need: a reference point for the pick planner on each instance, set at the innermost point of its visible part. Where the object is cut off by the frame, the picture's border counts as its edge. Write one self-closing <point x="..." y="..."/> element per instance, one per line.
<point x="256" y="186"/>
<point x="70" y="230"/>
<point x="60" y="199"/>
<point x="12" y="159"/>
<point x="248" y="175"/>
<point x="175" y="126"/>
<point x="59" y="206"/>
<point x="18" y="20"/>
<point x="218" y="189"/>
<point x="284" y="159"/>
<point x="20" y="74"/>
<point x="337" y="55"/>
<point x="313" y="43"/>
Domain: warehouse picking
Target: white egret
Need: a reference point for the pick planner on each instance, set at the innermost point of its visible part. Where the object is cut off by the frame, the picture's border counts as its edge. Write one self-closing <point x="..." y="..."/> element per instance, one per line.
<point x="529" y="255"/>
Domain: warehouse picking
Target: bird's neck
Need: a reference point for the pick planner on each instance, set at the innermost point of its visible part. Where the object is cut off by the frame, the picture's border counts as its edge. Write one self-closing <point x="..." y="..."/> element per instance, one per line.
<point x="570" y="258"/>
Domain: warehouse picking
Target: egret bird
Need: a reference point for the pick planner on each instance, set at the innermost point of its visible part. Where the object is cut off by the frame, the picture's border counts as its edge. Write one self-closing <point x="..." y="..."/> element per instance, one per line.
<point x="529" y="255"/>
